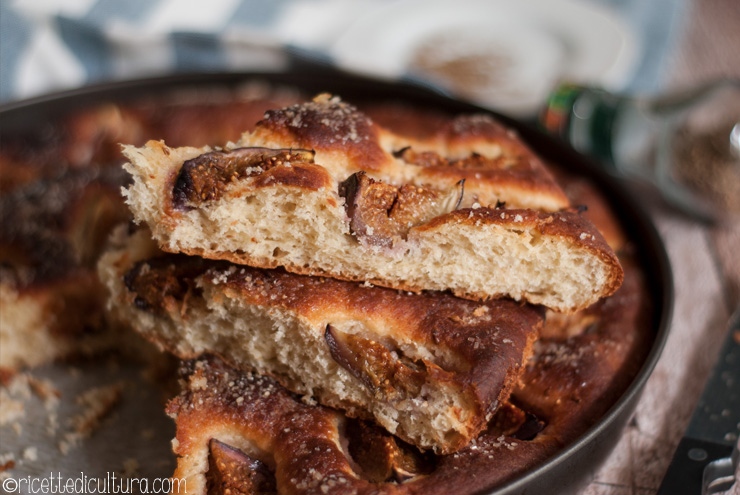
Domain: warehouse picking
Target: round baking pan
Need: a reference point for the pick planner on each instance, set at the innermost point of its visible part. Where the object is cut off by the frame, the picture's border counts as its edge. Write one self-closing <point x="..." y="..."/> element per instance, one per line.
<point x="570" y="468"/>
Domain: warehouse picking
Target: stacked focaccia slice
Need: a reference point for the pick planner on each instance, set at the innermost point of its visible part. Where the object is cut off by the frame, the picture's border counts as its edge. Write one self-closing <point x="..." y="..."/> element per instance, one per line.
<point x="319" y="189"/>
<point x="430" y="368"/>
<point x="292" y="250"/>
<point x="238" y="432"/>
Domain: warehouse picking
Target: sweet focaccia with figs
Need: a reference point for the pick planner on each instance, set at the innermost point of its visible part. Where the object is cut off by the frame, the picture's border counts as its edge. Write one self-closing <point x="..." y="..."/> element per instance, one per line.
<point x="319" y="189"/>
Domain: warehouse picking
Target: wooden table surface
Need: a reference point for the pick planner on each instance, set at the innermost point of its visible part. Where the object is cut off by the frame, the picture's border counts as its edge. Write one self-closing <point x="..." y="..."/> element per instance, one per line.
<point x="706" y="268"/>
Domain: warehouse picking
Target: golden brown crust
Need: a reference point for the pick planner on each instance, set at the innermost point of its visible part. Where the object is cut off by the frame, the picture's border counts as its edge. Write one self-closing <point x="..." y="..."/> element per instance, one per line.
<point x="510" y="164"/>
<point x="491" y="158"/>
<point x="337" y="127"/>
<point x="569" y="384"/>
<point x="332" y="126"/>
<point x="594" y="207"/>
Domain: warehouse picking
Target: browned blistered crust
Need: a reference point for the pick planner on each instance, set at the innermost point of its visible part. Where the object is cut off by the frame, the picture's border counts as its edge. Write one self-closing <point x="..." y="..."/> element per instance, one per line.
<point x="333" y="126"/>
<point x="423" y="124"/>
<point x="515" y="165"/>
<point x="481" y="347"/>
<point x="337" y="127"/>
<point x="594" y="207"/>
<point x="569" y="384"/>
<point x="443" y="157"/>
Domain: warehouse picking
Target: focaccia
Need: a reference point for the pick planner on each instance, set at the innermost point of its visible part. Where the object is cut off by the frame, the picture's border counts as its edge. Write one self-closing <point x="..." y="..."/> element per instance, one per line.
<point x="51" y="233"/>
<point x="238" y="431"/>
<point x="319" y="189"/>
<point x="430" y="368"/>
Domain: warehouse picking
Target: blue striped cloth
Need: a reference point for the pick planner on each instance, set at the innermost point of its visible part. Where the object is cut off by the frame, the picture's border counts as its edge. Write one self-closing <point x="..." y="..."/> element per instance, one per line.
<point x="48" y="45"/>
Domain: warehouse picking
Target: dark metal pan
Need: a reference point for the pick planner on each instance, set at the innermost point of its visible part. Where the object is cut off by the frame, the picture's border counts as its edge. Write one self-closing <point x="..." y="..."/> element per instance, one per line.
<point x="571" y="467"/>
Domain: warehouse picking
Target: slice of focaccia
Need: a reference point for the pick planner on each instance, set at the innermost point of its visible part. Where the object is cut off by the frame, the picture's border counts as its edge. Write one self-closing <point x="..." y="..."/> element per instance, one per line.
<point x="431" y="368"/>
<point x="51" y="233"/>
<point x="319" y="189"/>
<point x="239" y="432"/>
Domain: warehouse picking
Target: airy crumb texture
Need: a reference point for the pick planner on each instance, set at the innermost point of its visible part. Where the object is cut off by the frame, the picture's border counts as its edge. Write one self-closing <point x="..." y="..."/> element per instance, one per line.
<point x="497" y="225"/>
<point x="430" y="368"/>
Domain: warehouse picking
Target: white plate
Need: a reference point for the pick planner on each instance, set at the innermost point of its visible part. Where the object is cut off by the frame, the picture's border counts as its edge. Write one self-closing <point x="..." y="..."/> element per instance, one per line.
<point x="527" y="45"/>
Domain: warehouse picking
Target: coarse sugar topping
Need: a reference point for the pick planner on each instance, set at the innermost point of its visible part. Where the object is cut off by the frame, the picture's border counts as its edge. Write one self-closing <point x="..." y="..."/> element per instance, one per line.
<point x="326" y="119"/>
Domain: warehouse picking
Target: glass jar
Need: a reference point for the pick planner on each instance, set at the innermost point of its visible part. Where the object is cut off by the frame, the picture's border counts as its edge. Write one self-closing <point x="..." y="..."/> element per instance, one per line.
<point x="680" y="142"/>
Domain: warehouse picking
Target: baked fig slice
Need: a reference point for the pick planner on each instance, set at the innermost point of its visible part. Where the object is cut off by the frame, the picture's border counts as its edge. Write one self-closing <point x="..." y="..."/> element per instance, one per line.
<point x="383" y="457"/>
<point x="381" y="370"/>
<point x="380" y="213"/>
<point x="232" y="471"/>
<point x="205" y="177"/>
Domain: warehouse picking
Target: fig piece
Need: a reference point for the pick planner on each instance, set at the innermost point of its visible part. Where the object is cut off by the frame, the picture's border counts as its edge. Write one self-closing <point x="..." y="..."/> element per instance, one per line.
<point x="205" y="177"/>
<point x="513" y="421"/>
<point x="530" y="428"/>
<point x="381" y="213"/>
<point x="473" y="161"/>
<point x="383" y="457"/>
<point x="232" y="471"/>
<point x="164" y="283"/>
<point x="387" y="373"/>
